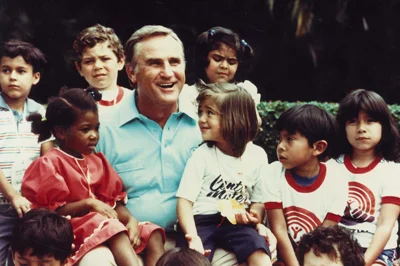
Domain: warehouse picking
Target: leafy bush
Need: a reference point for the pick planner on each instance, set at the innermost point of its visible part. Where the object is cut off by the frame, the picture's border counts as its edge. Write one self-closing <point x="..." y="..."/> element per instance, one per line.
<point x="270" y="112"/>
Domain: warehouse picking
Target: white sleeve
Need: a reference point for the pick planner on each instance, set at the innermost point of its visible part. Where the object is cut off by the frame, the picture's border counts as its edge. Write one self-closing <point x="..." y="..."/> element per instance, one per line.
<point x="391" y="184"/>
<point x="273" y="186"/>
<point x="339" y="190"/>
<point x="252" y="89"/>
<point x="258" y="194"/>
<point x="193" y="176"/>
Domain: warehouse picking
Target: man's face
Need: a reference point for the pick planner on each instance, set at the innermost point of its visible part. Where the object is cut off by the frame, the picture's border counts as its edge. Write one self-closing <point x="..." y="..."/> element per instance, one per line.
<point x="159" y="72"/>
<point x="28" y="260"/>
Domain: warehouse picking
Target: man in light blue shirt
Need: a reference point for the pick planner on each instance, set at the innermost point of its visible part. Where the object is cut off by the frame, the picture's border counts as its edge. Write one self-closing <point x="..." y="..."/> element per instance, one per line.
<point x="150" y="139"/>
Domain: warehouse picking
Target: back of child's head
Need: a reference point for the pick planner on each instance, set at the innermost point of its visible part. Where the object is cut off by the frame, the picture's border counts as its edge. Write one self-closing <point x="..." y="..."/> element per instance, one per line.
<point x="64" y="110"/>
<point x="237" y="113"/>
<point x="32" y="55"/>
<point x="311" y="121"/>
<point x="211" y="40"/>
<point x="375" y="106"/>
<point x="336" y="242"/>
<point x="89" y="37"/>
<point x="183" y="257"/>
<point x="43" y="233"/>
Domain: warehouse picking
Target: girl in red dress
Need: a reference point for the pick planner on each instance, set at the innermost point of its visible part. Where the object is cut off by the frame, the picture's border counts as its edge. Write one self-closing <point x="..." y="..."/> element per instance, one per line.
<point x="75" y="181"/>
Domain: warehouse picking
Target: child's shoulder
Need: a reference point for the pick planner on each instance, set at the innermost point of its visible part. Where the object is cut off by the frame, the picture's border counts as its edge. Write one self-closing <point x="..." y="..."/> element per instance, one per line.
<point x="34" y="107"/>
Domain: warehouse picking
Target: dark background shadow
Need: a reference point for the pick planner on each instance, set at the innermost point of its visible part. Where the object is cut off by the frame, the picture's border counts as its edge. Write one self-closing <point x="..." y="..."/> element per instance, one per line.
<point x="351" y="44"/>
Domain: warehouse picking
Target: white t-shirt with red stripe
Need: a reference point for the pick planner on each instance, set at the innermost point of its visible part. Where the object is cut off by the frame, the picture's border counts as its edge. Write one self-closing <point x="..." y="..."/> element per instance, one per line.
<point x="369" y="188"/>
<point x="110" y="101"/>
<point x="306" y="207"/>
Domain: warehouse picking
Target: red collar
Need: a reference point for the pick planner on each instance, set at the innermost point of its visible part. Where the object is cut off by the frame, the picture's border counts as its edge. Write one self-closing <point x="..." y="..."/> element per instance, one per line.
<point x="307" y="189"/>
<point x="119" y="97"/>
<point x="360" y="170"/>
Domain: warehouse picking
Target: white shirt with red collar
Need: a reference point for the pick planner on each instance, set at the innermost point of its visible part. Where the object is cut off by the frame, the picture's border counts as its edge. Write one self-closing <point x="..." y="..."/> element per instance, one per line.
<point x="110" y="101"/>
<point x="369" y="188"/>
<point x="306" y="207"/>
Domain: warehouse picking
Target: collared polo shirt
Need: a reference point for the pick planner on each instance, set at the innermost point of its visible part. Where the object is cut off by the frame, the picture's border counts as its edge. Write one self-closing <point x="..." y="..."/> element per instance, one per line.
<point x="16" y="138"/>
<point x="149" y="159"/>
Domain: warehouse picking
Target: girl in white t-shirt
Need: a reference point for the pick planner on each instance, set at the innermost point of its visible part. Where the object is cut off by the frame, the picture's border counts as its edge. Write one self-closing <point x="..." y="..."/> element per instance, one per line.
<point x="221" y="56"/>
<point x="369" y="146"/>
<point x="220" y="199"/>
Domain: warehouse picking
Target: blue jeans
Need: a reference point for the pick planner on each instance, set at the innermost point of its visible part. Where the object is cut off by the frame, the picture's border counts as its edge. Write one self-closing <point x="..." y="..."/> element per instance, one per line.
<point x="8" y="218"/>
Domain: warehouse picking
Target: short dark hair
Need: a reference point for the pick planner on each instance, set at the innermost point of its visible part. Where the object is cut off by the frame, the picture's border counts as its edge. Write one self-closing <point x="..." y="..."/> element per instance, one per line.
<point x="64" y="110"/>
<point x="375" y="106"/>
<point x="311" y="121"/>
<point x="336" y="242"/>
<point x="211" y="40"/>
<point x="93" y="35"/>
<point x="45" y="232"/>
<point x="29" y="53"/>
<point x="238" y="113"/>
<point x="183" y="257"/>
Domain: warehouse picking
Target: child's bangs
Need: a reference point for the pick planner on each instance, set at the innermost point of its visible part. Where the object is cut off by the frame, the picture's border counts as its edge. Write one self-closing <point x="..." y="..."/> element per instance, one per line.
<point x="374" y="109"/>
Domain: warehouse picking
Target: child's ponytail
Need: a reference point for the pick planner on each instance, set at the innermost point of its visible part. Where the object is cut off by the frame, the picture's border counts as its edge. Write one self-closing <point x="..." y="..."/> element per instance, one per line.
<point x="40" y="126"/>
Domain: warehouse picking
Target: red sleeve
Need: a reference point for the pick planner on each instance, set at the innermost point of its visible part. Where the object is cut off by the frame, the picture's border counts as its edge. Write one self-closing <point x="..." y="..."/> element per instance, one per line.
<point x="333" y="217"/>
<point x="111" y="188"/>
<point x="43" y="186"/>
<point x="273" y="205"/>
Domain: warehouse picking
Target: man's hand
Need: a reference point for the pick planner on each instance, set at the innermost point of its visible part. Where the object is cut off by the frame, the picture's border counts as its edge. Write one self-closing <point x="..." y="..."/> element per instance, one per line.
<point x="133" y="233"/>
<point x="20" y="204"/>
<point x="102" y="208"/>
<point x="195" y="243"/>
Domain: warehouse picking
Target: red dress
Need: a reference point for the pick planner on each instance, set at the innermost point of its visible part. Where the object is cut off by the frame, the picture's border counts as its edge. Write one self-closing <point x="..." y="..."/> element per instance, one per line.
<point x="57" y="178"/>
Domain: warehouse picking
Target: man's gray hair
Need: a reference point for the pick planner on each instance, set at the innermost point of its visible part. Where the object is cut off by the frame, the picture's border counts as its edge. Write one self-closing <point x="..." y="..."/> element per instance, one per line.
<point x="145" y="32"/>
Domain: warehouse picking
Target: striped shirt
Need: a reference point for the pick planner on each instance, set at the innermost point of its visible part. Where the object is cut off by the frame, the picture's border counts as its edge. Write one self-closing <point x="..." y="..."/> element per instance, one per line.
<point x="17" y="142"/>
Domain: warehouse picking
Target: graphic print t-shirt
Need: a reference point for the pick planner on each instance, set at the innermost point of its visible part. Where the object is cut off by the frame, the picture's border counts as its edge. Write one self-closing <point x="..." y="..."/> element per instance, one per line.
<point x="208" y="169"/>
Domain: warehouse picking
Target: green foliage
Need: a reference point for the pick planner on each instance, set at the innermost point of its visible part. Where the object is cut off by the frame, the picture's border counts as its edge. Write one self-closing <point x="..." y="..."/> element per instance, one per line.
<point x="270" y="112"/>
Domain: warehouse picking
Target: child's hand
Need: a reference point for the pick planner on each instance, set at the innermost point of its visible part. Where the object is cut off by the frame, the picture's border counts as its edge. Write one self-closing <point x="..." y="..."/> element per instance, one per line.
<point x="102" y="208"/>
<point x="21" y="205"/>
<point x="133" y="233"/>
<point x="247" y="218"/>
<point x="196" y="244"/>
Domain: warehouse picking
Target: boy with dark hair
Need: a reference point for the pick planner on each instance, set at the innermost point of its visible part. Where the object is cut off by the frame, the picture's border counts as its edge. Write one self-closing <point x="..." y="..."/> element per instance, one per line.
<point x="302" y="192"/>
<point x="20" y="66"/>
<point x="333" y="245"/>
<point x="42" y="236"/>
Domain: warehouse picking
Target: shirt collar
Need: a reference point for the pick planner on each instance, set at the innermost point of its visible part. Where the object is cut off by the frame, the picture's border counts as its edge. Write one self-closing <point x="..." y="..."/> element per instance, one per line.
<point x="31" y="105"/>
<point x="130" y="112"/>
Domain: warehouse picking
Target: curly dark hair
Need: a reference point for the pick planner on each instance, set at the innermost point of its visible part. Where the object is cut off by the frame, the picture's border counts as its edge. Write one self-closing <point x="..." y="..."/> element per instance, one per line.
<point x="336" y="242"/>
<point x="183" y="257"/>
<point x="64" y="111"/>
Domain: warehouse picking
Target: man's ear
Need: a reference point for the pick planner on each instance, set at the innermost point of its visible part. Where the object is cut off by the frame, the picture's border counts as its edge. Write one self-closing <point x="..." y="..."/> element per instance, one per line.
<point x="78" y="67"/>
<point x="60" y="132"/>
<point x="130" y="72"/>
<point x="319" y="147"/>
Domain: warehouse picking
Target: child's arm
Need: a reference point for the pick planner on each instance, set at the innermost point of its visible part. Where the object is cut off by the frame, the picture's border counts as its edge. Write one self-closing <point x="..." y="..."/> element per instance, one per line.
<point x="130" y="222"/>
<point x="327" y="223"/>
<point x="279" y="229"/>
<point x="386" y="221"/>
<point x="82" y="207"/>
<point x="19" y="203"/>
<point x="186" y="221"/>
